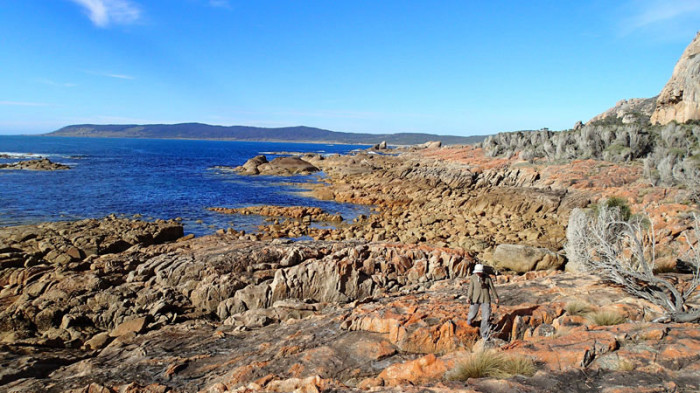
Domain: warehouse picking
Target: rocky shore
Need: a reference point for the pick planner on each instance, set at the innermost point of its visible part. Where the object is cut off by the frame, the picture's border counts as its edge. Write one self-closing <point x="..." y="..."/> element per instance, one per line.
<point x="373" y="304"/>
<point x="377" y="303"/>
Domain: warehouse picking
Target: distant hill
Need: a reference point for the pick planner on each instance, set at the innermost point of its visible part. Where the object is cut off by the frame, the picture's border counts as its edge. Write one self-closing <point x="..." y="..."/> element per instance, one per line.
<point x="245" y="133"/>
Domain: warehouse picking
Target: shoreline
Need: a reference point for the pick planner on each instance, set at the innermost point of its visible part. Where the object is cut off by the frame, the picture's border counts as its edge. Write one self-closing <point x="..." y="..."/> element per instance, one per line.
<point x="315" y="142"/>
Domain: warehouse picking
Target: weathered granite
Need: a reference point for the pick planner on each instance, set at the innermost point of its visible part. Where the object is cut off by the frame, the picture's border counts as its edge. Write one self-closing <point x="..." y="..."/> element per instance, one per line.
<point x="679" y="100"/>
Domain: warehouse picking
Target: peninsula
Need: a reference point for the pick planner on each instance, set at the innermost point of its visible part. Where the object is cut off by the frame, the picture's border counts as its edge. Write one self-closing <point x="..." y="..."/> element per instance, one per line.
<point x="260" y="134"/>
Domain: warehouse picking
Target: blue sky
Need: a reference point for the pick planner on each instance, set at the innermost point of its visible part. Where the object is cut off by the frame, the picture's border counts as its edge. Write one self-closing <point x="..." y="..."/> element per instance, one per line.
<point x="446" y="67"/>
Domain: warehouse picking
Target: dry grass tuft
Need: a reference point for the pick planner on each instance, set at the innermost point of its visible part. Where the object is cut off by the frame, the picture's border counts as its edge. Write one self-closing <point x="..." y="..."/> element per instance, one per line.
<point x="492" y="364"/>
<point x="562" y="331"/>
<point x="578" y="307"/>
<point x="469" y="342"/>
<point x="626" y="365"/>
<point x="606" y="317"/>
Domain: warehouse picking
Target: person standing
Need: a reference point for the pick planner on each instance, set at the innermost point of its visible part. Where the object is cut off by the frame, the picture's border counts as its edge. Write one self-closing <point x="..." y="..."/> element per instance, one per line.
<point x="480" y="294"/>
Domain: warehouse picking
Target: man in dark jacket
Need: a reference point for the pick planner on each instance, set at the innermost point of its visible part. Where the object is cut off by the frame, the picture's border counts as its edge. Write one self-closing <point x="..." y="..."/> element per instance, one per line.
<point x="480" y="294"/>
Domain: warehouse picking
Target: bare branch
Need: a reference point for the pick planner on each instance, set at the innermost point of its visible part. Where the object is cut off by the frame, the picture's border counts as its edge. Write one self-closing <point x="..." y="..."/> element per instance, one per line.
<point x="623" y="251"/>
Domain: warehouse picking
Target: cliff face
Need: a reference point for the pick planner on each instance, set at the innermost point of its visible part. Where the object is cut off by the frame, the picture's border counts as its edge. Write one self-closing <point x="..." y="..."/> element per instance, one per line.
<point x="680" y="99"/>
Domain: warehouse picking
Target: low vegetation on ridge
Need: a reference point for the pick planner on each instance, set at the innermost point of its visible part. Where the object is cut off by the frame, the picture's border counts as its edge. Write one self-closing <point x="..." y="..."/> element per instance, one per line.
<point x="670" y="153"/>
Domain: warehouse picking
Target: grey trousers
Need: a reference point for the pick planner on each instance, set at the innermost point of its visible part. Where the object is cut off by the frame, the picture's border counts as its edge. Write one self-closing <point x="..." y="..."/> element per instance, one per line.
<point x="485" y="316"/>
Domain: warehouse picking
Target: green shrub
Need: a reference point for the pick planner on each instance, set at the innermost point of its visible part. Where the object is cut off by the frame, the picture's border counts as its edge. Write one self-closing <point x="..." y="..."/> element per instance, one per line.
<point x="606" y="317"/>
<point x="621" y="204"/>
<point x="616" y="148"/>
<point x="492" y="364"/>
<point x="613" y="203"/>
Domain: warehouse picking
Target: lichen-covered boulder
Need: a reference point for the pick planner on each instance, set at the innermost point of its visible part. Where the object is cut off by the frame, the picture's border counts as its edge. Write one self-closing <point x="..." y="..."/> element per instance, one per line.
<point x="523" y="259"/>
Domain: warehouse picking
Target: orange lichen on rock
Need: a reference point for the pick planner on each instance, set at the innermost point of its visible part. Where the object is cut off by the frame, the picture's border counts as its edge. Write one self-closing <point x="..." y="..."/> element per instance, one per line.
<point x="244" y="373"/>
<point x="576" y="349"/>
<point x="415" y="372"/>
<point x="415" y="326"/>
<point x="475" y="157"/>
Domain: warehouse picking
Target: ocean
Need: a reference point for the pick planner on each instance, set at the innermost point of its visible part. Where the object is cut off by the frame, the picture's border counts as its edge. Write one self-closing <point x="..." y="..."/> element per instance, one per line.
<point x="151" y="179"/>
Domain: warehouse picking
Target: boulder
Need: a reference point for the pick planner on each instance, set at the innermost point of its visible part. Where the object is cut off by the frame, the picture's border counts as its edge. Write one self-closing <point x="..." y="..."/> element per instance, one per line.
<point x="251" y="166"/>
<point x="293" y="165"/>
<point x="280" y="166"/>
<point x="98" y="341"/>
<point x="523" y="259"/>
<point x="431" y="145"/>
<point x="379" y="146"/>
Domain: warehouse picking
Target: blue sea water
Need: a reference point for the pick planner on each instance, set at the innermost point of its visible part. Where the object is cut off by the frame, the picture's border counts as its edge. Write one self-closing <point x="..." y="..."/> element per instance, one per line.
<point x="156" y="178"/>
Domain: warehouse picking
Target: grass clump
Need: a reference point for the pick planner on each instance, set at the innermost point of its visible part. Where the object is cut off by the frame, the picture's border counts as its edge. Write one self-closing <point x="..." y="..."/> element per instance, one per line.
<point x="578" y="308"/>
<point x="607" y="317"/>
<point x="492" y="364"/>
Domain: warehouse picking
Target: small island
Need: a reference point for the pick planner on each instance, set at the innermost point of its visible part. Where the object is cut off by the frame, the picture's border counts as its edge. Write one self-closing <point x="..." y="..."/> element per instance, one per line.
<point x="41" y="164"/>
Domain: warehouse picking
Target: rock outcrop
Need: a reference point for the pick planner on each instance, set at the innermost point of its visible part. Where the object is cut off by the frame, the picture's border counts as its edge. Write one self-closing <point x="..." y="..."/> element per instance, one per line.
<point x="41" y="164"/>
<point x="63" y="243"/>
<point x="421" y="200"/>
<point x="280" y="166"/>
<point x="631" y="111"/>
<point x="679" y="100"/>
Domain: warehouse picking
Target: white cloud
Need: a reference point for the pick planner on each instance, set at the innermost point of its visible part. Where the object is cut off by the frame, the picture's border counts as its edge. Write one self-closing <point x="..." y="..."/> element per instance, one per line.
<point x="21" y="103"/>
<point x="120" y="76"/>
<point x="105" y="12"/>
<point x="661" y="15"/>
<point x="111" y="75"/>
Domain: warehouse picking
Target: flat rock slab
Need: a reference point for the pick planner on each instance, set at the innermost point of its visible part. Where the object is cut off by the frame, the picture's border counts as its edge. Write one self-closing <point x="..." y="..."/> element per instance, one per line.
<point x="131" y="326"/>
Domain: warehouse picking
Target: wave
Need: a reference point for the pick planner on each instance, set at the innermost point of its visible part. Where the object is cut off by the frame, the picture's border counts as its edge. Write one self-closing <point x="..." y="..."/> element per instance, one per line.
<point x="16" y="155"/>
<point x="9" y="154"/>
